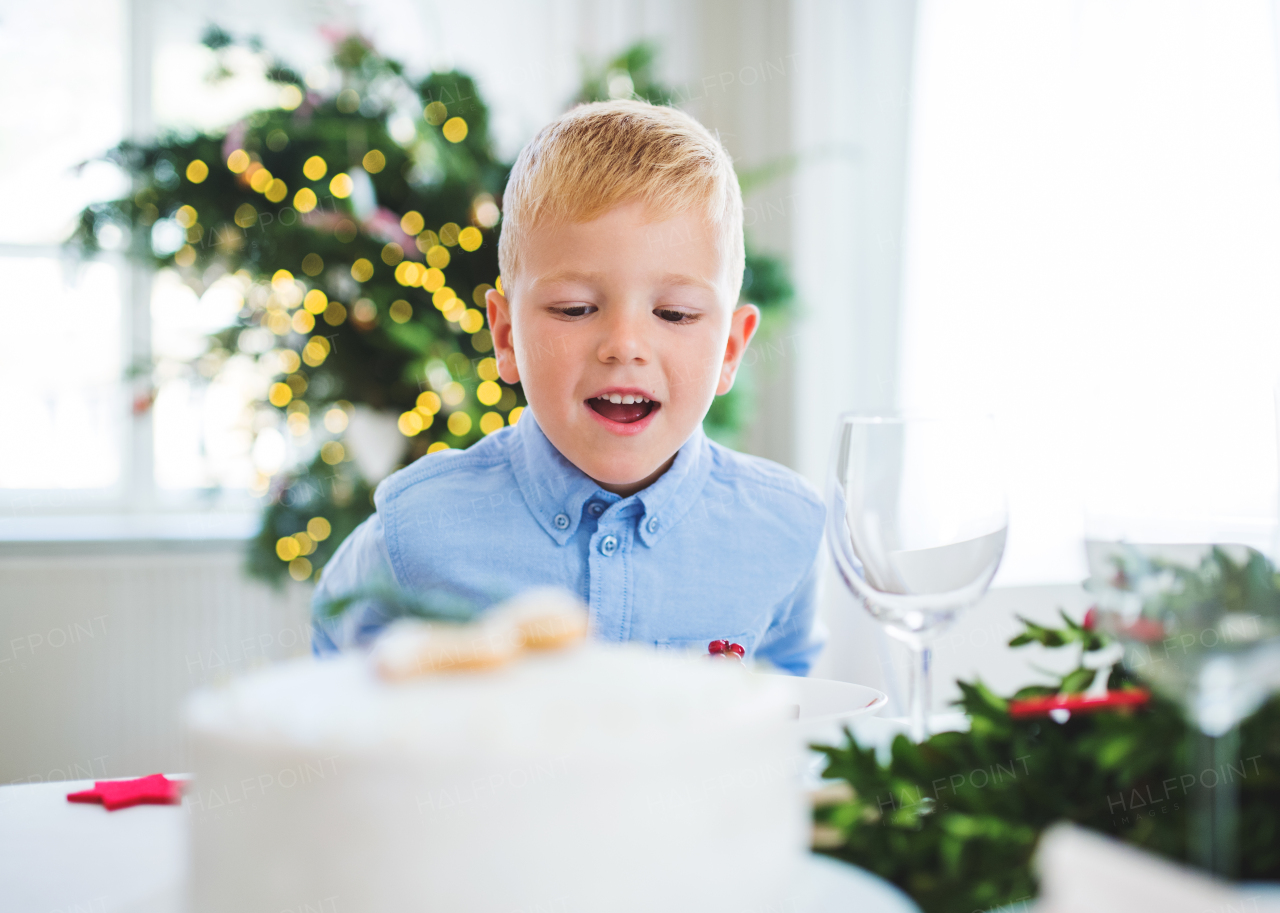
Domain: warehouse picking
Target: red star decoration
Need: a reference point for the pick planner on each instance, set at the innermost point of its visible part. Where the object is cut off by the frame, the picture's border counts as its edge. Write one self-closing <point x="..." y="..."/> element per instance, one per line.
<point x="114" y="794"/>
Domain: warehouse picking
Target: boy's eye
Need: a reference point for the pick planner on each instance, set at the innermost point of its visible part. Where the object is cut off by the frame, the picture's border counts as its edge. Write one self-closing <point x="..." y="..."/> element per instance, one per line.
<point x="674" y="316"/>
<point x="574" y="310"/>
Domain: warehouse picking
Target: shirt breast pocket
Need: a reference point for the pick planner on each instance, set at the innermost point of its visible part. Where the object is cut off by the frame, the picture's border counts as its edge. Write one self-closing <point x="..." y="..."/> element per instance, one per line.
<point x="700" y="645"/>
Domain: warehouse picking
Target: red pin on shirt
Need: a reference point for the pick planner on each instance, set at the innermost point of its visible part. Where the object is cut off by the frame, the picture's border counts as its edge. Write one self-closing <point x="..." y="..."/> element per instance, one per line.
<point x="113" y="794"/>
<point x="726" y="650"/>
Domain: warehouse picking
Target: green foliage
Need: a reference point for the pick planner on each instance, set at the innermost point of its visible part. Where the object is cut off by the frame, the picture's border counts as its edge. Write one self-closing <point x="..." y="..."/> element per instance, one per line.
<point x="1197" y="597"/>
<point x="954" y="821"/>
<point x="630" y="74"/>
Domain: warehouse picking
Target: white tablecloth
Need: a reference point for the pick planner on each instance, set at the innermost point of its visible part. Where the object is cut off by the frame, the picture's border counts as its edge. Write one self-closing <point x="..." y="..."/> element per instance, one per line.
<point x="65" y="857"/>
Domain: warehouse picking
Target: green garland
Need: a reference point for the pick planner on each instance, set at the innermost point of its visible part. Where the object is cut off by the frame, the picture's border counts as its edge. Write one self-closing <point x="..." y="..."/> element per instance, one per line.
<point x="954" y="821"/>
<point x="409" y="177"/>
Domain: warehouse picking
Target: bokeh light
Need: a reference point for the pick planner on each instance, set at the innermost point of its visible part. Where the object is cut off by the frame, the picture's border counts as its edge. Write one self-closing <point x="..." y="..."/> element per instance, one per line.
<point x="238" y="161"/>
<point x="341" y="185"/>
<point x="459" y="424"/>
<point x="303" y="322"/>
<point x="490" y="422"/>
<point x="435" y="113"/>
<point x="313" y="265"/>
<point x="453" y="393"/>
<point x="279" y="395"/>
<point x="488" y="392"/>
<point x="348" y="101"/>
<point x="260" y="179"/>
<point x="332" y="452"/>
<point x="318" y="528"/>
<point x="314" y="168"/>
<point x="335" y="421"/>
<point x="290" y="97"/>
<point x="470" y="238"/>
<point x="486" y="212"/>
<point x="335" y="313"/>
<point x="443" y="297"/>
<point x="410" y="423"/>
<point x="197" y="171"/>
<point x="315" y="301"/>
<point x="411" y="222"/>
<point x="438" y="257"/>
<point x="362" y="270"/>
<point x="400" y="311"/>
<point x="429" y="402"/>
<point x="288" y="361"/>
<point x="454" y="129"/>
<point x="433" y="279"/>
<point x="287" y="548"/>
<point x="374" y="161"/>
<point x="365" y="313"/>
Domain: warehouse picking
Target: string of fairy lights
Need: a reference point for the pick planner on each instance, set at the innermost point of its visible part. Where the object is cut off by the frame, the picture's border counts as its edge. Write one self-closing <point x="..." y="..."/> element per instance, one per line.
<point x="292" y="306"/>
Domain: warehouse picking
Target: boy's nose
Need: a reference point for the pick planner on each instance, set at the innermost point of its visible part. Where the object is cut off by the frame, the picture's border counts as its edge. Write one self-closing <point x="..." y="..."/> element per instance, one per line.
<point x="624" y="340"/>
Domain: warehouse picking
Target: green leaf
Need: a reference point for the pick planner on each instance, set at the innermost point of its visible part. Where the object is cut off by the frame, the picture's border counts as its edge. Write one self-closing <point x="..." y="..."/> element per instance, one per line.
<point x="1077" y="680"/>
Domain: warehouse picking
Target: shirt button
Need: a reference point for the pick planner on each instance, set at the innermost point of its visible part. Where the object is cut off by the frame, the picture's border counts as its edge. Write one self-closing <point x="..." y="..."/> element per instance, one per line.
<point x="652" y="526"/>
<point x="595" y="508"/>
<point x="561" y="521"/>
<point x="608" y="545"/>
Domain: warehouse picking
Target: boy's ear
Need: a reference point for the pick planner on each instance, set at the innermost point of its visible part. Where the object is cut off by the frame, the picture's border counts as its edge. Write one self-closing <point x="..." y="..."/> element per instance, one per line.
<point x="742" y="327"/>
<point x="500" y="328"/>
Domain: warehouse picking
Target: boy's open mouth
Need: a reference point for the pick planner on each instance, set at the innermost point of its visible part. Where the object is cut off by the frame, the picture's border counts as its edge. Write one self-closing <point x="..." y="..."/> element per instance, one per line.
<point x="623" y="408"/>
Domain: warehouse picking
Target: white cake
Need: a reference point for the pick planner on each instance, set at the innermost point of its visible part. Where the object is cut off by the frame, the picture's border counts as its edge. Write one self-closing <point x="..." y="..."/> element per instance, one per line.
<point x="597" y="777"/>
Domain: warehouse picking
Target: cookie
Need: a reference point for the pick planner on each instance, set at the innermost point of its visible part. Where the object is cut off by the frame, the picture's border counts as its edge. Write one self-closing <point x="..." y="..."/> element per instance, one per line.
<point x="410" y="647"/>
<point x="544" y="618"/>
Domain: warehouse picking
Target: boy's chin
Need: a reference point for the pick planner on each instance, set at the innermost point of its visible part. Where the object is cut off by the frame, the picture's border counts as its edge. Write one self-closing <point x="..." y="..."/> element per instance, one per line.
<point x="626" y="474"/>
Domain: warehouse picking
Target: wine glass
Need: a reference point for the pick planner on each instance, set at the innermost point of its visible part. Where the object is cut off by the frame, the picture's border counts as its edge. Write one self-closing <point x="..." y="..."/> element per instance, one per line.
<point x="1201" y="624"/>
<point x="917" y="522"/>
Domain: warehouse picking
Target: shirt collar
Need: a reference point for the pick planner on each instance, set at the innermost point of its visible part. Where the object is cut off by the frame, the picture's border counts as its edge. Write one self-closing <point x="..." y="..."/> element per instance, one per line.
<point x="556" y="490"/>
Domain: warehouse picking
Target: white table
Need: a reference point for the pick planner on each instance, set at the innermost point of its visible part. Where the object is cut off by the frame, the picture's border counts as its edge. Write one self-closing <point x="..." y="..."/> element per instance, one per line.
<point x="64" y="857"/>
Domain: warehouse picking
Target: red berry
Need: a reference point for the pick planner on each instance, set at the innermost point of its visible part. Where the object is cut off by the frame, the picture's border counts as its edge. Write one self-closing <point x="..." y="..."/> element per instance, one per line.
<point x="717" y="646"/>
<point x="737" y="649"/>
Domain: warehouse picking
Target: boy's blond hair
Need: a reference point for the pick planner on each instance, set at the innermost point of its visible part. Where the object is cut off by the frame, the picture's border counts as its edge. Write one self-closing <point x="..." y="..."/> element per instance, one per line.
<point x="599" y="155"/>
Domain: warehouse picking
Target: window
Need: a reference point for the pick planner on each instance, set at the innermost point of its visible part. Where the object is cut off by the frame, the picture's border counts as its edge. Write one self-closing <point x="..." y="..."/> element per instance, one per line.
<point x="62" y="355"/>
<point x="1092" y="224"/>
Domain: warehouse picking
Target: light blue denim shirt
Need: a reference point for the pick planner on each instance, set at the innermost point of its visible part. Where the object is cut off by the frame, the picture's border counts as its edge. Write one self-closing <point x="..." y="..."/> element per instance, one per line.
<point x="723" y="546"/>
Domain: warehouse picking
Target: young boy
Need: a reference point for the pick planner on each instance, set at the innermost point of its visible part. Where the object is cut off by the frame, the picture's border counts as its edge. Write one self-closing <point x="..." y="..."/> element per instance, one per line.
<point x="622" y="260"/>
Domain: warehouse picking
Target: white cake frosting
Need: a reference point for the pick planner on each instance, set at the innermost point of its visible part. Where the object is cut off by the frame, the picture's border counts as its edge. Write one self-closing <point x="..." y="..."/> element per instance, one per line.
<point x="595" y="778"/>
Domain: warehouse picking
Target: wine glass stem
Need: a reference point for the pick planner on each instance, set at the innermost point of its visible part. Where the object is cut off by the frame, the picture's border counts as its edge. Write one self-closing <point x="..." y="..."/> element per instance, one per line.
<point x="921" y="671"/>
<point x="1215" y="805"/>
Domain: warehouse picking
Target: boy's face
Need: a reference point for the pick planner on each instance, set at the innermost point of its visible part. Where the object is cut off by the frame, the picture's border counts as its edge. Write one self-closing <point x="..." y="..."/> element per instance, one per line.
<point x="620" y="308"/>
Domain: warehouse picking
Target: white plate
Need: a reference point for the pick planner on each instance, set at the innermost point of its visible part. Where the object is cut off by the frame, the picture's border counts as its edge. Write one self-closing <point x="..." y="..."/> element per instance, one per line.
<point x="829" y="886"/>
<point x="826" y="705"/>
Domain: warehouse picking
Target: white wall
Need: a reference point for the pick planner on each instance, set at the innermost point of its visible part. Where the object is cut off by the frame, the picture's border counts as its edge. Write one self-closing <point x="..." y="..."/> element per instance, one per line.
<point x="100" y="644"/>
